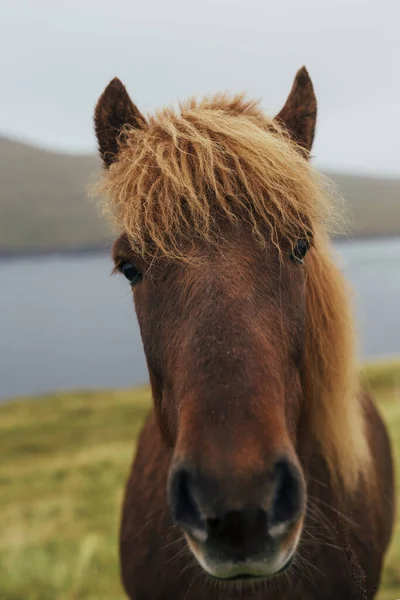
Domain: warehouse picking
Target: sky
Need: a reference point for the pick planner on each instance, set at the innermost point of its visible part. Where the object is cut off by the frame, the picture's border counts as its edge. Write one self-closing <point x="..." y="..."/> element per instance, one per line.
<point x="56" y="57"/>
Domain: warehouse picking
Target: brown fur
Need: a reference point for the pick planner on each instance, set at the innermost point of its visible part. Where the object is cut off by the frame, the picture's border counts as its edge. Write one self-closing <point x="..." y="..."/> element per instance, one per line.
<point x="249" y="355"/>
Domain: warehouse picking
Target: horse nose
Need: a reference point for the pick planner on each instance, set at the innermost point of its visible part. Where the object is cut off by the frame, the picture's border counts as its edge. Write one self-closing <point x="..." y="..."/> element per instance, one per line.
<point x="267" y="507"/>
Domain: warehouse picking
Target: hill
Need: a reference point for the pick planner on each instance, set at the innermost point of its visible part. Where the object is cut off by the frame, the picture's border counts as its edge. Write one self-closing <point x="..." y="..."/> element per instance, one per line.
<point x="42" y="200"/>
<point x="374" y="203"/>
<point x="65" y="459"/>
<point x="43" y="205"/>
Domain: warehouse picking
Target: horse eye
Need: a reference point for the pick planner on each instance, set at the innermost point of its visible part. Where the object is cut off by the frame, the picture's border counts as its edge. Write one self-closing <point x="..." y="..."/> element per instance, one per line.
<point x="299" y="251"/>
<point x="132" y="274"/>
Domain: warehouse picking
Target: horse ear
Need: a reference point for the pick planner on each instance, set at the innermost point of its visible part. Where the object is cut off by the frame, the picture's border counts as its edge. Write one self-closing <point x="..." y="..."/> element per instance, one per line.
<point x="299" y="114"/>
<point x="114" y="110"/>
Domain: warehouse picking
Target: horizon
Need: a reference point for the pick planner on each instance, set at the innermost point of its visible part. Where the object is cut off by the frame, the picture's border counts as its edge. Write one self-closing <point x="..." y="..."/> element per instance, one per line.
<point x="92" y="153"/>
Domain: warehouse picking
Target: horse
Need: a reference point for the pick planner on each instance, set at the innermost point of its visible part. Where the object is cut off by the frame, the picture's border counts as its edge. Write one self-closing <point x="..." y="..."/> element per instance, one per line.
<point x="264" y="469"/>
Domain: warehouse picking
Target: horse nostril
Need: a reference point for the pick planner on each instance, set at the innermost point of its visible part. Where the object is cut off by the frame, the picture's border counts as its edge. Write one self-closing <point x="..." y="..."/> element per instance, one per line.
<point x="184" y="508"/>
<point x="288" y="497"/>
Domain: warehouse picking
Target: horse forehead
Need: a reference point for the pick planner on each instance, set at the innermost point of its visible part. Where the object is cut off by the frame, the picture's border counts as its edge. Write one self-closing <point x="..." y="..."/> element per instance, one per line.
<point x="236" y="259"/>
<point x="238" y="274"/>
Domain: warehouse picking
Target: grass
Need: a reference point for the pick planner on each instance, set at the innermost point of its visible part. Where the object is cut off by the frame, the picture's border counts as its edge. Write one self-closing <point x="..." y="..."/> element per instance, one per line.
<point x="64" y="461"/>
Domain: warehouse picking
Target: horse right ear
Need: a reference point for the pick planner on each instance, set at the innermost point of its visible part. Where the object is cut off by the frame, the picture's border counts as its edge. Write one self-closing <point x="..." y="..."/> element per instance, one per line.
<point x="299" y="114"/>
<point x="114" y="110"/>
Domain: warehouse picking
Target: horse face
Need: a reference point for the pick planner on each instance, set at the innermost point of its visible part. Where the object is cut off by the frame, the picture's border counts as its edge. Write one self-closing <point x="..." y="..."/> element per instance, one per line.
<point x="223" y="336"/>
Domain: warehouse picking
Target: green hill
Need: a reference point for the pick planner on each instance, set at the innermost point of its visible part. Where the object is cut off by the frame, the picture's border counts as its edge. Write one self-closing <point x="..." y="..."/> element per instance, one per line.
<point x="43" y="205"/>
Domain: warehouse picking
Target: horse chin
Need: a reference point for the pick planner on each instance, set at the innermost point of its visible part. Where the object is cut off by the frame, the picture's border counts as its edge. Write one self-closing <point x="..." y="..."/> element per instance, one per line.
<point x="247" y="571"/>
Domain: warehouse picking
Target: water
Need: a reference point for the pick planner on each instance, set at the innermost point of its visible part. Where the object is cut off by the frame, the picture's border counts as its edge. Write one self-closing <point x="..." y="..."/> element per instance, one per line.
<point x="65" y="323"/>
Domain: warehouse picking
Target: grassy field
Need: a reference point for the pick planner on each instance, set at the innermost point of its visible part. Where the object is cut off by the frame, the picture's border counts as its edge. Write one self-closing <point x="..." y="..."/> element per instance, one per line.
<point x="64" y="460"/>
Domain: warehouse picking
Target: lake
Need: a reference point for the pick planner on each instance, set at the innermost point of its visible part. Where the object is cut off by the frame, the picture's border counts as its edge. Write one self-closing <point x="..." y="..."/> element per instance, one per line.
<point x="65" y="323"/>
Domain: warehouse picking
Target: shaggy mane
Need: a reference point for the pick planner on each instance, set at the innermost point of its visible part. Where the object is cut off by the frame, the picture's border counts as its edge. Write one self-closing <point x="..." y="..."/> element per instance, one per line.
<point x="222" y="158"/>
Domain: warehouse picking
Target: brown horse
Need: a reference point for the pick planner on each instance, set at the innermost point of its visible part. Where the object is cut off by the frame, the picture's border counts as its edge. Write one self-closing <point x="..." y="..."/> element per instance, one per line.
<point x="264" y="470"/>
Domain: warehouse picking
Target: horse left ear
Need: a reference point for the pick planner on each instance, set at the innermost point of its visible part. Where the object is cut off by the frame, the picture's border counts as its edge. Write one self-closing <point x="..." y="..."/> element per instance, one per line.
<point x="113" y="111"/>
<point x="299" y="115"/>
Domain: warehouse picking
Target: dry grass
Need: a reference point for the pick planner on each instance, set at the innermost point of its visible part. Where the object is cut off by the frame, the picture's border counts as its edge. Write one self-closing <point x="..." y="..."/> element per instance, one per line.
<point x="64" y="460"/>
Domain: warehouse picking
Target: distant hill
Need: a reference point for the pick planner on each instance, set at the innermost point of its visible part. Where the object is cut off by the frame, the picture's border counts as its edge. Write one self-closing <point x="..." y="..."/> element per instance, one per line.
<point x="42" y="200"/>
<point x="373" y="202"/>
<point x="43" y="205"/>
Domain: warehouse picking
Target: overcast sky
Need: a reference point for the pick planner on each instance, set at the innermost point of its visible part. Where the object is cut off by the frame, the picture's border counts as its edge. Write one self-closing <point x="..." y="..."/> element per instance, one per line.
<point x="57" y="56"/>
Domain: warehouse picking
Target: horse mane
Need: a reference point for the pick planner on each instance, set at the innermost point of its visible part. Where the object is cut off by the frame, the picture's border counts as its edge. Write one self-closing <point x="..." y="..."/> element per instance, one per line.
<point x="222" y="157"/>
<point x="330" y="375"/>
<point x="175" y="178"/>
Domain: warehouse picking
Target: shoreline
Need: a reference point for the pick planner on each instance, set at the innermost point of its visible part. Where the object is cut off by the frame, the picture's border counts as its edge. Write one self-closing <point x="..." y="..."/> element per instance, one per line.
<point x="61" y="252"/>
<point x="105" y="249"/>
<point x="379" y="371"/>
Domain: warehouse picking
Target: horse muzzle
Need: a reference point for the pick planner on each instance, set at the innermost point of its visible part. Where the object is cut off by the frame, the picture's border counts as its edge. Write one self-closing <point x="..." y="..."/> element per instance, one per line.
<point x="240" y="530"/>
